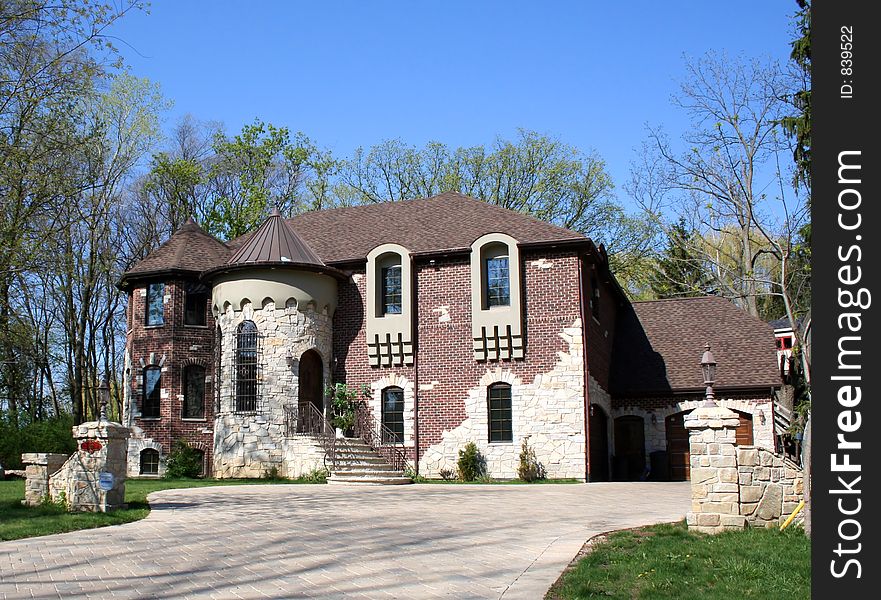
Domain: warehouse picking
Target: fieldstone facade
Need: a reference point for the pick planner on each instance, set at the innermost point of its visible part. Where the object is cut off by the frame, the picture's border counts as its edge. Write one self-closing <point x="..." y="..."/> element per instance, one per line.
<point x="249" y="444"/>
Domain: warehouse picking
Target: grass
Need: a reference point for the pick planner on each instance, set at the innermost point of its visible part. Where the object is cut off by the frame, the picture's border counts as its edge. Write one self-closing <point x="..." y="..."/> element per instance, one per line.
<point x="17" y="521"/>
<point x="668" y="561"/>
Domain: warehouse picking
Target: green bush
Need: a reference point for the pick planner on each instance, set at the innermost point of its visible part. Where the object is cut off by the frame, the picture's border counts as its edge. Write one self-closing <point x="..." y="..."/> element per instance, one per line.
<point x="50" y="435"/>
<point x="316" y="476"/>
<point x="183" y="461"/>
<point x="471" y="464"/>
<point x="530" y="469"/>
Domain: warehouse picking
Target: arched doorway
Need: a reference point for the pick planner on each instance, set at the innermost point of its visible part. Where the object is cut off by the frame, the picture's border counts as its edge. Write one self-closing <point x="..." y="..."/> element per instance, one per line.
<point x="678" y="452"/>
<point x="598" y="431"/>
<point x="310" y="385"/>
<point x="629" y="448"/>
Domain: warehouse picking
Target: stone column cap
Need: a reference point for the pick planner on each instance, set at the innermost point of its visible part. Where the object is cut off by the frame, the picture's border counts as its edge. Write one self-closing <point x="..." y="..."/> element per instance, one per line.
<point x="711" y="417"/>
<point x="41" y="458"/>
<point x="101" y="429"/>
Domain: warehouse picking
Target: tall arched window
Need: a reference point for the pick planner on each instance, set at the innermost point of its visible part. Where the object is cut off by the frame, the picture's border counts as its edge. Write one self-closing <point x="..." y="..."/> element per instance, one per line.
<point x="393" y="415"/>
<point x="498" y="400"/>
<point x="149" y="462"/>
<point x="151" y="392"/>
<point x="194" y="392"/>
<point x="246" y="367"/>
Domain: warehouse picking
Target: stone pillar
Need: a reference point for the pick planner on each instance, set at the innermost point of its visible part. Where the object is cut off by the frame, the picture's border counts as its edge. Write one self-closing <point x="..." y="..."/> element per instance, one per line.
<point x="715" y="497"/>
<point x="39" y="466"/>
<point x="93" y="478"/>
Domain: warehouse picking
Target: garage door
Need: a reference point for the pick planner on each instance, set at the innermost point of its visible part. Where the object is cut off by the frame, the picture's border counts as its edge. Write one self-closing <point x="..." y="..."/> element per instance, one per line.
<point x="678" y="454"/>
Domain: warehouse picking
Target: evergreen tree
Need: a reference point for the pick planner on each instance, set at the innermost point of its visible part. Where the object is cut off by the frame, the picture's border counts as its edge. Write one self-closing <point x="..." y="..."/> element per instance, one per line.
<point x="679" y="274"/>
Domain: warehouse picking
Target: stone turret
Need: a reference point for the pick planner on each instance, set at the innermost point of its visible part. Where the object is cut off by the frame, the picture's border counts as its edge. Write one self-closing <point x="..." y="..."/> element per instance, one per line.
<point x="273" y="302"/>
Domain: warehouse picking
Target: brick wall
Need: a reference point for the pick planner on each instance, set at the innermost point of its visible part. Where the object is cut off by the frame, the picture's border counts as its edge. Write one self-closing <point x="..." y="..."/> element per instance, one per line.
<point x="600" y="331"/>
<point x="180" y="345"/>
<point x="445" y="363"/>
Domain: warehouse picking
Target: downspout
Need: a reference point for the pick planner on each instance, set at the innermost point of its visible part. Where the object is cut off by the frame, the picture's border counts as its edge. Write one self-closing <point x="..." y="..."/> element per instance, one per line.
<point x="415" y="309"/>
<point x="586" y="374"/>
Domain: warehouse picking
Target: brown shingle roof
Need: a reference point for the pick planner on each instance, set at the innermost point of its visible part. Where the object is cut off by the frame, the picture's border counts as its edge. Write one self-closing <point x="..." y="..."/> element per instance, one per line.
<point x="448" y="221"/>
<point x="188" y="250"/>
<point x="658" y="347"/>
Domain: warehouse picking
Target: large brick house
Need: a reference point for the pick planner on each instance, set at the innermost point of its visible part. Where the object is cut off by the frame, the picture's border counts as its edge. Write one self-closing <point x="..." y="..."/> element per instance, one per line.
<point x="462" y="320"/>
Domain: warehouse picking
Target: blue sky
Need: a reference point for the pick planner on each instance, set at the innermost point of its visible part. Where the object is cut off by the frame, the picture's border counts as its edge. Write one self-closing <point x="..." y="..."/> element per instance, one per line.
<point x="351" y="74"/>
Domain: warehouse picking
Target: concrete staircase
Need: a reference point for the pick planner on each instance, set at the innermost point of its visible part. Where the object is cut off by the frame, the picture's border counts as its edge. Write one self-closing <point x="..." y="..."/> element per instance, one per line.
<point x="359" y="464"/>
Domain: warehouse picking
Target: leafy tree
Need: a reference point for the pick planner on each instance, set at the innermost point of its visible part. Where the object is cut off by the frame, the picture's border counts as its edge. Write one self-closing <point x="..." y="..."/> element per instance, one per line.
<point x="678" y="273"/>
<point x="534" y="174"/>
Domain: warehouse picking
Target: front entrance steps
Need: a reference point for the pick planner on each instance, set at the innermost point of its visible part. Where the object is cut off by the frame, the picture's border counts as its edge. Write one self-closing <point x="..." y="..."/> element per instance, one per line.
<point x="359" y="464"/>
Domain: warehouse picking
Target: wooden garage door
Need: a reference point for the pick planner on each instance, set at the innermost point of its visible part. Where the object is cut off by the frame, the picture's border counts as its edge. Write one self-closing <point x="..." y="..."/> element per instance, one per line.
<point x="678" y="453"/>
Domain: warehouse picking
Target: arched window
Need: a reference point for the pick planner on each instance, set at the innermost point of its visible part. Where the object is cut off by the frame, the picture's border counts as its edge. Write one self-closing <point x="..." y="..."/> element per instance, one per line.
<point x="194" y="392"/>
<point x="393" y="415"/>
<point x="151" y="392"/>
<point x="246" y="367"/>
<point x="149" y="462"/>
<point x="498" y="400"/>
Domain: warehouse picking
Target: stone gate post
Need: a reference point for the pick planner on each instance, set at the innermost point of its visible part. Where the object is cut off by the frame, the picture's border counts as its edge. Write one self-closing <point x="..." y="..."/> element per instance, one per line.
<point x="715" y="496"/>
<point x="93" y="478"/>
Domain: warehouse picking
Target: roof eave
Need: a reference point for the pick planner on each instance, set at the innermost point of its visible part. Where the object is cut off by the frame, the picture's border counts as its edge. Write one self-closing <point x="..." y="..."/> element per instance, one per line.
<point x="224" y="269"/>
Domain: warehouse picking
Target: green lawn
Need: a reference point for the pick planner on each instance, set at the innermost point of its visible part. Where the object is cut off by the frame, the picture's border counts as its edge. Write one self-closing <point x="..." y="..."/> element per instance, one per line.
<point x="17" y="521"/>
<point x="666" y="561"/>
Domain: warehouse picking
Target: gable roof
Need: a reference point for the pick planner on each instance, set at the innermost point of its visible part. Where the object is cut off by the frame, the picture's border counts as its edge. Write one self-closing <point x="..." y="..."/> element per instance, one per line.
<point x="658" y="347"/>
<point x="447" y="222"/>
<point x="189" y="250"/>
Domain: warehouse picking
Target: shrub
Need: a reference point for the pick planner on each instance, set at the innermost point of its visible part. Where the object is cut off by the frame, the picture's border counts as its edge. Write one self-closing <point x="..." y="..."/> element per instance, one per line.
<point x="50" y="435"/>
<point x="316" y="476"/>
<point x="447" y="474"/>
<point x="530" y="469"/>
<point x="471" y="464"/>
<point x="343" y="402"/>
<point x="272" y="474"/>
<point x="183" y="461"/>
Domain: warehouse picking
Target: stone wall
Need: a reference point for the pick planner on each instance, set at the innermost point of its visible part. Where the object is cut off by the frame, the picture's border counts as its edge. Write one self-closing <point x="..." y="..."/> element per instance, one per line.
<point x="39" y="467"/>
<point x="547" y="411"/>
<point x="771" y="486"/>
<point x="732" y="486"/>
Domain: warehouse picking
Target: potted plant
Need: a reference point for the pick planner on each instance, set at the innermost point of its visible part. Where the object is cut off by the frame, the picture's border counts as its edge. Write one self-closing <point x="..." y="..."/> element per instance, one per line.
<point x="342" y="402"/>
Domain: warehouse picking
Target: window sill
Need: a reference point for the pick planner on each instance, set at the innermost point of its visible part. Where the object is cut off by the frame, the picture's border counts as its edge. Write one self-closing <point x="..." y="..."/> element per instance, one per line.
<point x="149" y="418"/>
<point x="154" y="326"/>
<point x="194" y="419"/>
<point x="196" y="326"/>
<point x="498" y="442"/>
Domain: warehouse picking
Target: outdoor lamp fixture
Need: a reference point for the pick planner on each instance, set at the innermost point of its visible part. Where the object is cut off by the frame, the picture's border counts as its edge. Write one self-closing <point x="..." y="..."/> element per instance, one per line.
<point x="708" y="366"/>
<point x="762" y="417"/>
<point x="103" y="398"/>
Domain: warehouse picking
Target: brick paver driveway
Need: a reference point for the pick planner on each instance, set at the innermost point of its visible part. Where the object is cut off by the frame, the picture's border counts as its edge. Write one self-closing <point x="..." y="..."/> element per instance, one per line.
<point x="294" y="541"/>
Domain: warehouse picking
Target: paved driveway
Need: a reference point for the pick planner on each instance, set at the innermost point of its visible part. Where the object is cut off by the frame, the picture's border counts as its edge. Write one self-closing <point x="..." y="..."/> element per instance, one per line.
<point x="311" y="541"/>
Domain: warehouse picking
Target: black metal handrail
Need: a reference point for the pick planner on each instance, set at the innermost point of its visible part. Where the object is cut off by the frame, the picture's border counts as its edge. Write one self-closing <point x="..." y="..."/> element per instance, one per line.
<point x="379" y="437"/>
<point x="307" y="418"/>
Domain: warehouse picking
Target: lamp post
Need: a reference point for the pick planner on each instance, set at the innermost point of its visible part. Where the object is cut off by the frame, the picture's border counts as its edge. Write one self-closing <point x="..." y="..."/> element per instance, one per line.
<point x="708" y="366"/>
<point x="103" y="398"/>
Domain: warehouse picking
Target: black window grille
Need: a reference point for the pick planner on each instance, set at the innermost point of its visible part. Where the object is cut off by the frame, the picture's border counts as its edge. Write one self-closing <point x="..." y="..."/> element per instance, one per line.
<point x="393" y="415"/>
<point x="247" y="363"/>
<point x="218" y="356"/>
<point x="499" y="405"/>
<point x="196" y="304"/>
<point x="391" y="290"/>
<point x="194" y="392"/>
<point x="155" y="312"/>
<point x="498" y="285"/>
<point x="149" y="462"/>
<point x="152" y="392"/>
